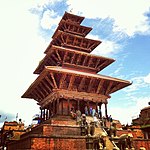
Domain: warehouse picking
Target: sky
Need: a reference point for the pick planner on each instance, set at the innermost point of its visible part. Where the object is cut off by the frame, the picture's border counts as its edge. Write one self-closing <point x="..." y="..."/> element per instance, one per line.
<point x="26" y="29"/>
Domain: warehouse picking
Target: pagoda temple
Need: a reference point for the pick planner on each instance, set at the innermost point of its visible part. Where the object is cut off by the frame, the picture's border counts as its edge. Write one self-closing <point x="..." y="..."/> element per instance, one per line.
<point x="68" y="79"/>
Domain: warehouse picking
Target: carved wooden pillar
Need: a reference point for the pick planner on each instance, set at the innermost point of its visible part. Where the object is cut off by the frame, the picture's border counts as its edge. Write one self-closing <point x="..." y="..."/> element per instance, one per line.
<point x="53" y="107"/>
<point x="100" y="110"/>
<point x="44" y="114"/>
<point x="50" y="110"/>
<point x="62" y="107"/>
<point x="88" y="107"/>
<point x="57" y="106"/>
<point x="96" y="107"/>
<point x="48" y="113"/>
<point x="41" y="115"/>
<point x="68" y="106"/>
<point x="106" y="115"/>
<point x="78" y="104"/>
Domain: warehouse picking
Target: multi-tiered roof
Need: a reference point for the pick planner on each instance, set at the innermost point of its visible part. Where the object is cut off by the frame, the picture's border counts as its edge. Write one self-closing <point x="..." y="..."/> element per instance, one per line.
<point x="69" y="71"/>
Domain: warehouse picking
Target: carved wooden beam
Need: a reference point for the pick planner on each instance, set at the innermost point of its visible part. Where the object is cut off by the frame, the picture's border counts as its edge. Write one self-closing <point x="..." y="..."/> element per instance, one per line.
<point x="65" y="56"/>
<point x="81" y="84"/>
<point x="62" y="38"/>
<point x="74" y="41"/>
<point x="78" y="59"/>
<point x="62" y="80"/>
<point x="115" y="88"/>
<point x="35" y="96"/>
<point x="90" y="84"/>
<point x="72" y="60"/>
<point x="85" y="60"/>
<point x="81" y="43"/>
<point x="90" y="61"/>
<point x="88" y="45"/>
<point x="59" y="58"/>
<point x="64" y="26"/>
<point x="49" y="81"/>
<point x="54" y="81"/>
<point x="100" y="85"/>
<point x="42" y="86"/>
<point x="97" y="63"/>
<point x="46" y="86"/>
<point x="103" y="64"/>
<point x="51" y="60"/>
<point x="72" y="78"/>
<point x="109" y="87"/>
<point x="54" y="57"/>
<point x="82" y="95"/>
<point x="38" y="93"/>
<point x="66" y="39"/>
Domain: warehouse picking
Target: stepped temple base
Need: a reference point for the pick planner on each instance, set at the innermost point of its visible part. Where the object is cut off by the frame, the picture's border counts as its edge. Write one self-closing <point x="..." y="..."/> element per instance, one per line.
<point x="58" y="133"/>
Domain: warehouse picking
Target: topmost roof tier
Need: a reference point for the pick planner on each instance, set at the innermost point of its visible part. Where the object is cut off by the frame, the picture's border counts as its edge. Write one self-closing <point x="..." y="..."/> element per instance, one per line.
<point x="71" y="27"/>
<point x="71" y="23"/>
<point x="72" y="18"/>
<point x="70" y="34"/>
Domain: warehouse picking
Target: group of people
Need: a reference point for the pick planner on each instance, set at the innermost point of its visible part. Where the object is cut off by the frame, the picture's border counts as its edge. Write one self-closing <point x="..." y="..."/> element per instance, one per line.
<point x="93" y="113"/>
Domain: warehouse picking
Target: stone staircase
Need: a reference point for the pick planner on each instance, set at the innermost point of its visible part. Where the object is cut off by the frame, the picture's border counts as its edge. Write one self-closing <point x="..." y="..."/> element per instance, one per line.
<point x="99" y="131"/>
<point x="109" y="144"/>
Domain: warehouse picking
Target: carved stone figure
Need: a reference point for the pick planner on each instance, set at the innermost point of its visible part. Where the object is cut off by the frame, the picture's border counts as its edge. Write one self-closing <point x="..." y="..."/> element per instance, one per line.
<point x="112" y="130"/>
<point x="125" y="141"/>
<point x="92" y="128"/>
<point x="78" y="117"/>
<point x="103" y="140"/>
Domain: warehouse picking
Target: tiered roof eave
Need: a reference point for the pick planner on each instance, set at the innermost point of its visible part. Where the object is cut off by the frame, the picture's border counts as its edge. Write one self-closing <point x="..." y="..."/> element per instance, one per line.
<point x="58" y="51"/>
<point x="70" y="27"/>
<point x="76" y="42"/>
<point x="72" y="17"/>
<point x="55" y="76"/>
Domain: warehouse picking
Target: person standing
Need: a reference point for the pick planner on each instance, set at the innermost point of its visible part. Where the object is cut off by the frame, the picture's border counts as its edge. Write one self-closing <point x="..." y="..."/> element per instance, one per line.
<point x="86" y="110"/>
<point x="91" y="110"/>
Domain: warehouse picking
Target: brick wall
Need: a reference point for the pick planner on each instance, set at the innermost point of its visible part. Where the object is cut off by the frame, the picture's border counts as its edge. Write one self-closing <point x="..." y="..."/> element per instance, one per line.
<point x="49" y="143"/>
<point x="61" y="130"/>
<point x="58" y="144"/>
<point x="24" y="144"/>
<point x="141" y="143"/>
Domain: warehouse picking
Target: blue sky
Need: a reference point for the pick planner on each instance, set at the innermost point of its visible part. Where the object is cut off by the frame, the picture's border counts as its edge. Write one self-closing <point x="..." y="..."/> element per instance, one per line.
<point x="26" y="29"/>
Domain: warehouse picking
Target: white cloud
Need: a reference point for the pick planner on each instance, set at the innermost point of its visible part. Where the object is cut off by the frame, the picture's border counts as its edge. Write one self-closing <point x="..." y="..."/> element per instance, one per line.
<point x="129" y="16"/>
<point x="121" y="114"/>
<point x="21" y="49"/>
<point x="131" y="111"/>
<point x="107" y="48"/>
<point x="49" y="19"/>
<point x="138" y="83"/>
<point x="147" y="79"/>
<point x="140" y="103"/>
